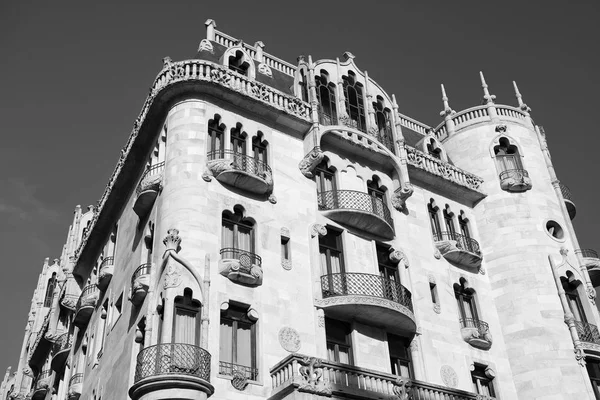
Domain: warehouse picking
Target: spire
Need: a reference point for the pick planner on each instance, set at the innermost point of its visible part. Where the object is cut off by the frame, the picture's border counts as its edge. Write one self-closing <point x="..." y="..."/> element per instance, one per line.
<point x="522" y="105"/>
<point x="487" y="97"/>
<point x="447" y="109"/>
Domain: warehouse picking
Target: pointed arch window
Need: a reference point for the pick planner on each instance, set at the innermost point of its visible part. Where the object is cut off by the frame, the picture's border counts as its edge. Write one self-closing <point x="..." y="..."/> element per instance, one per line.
<point x="355" y="107"/>
<point x="463" y="223"/>
<point x="384" y="125"/>
<point x="377" y="194"/>
<point x="237" y="233"/>
<point x="449" y="221"/>
<point x="50" y="290"/>
<point x="388" y="270"/>
<point x="238" y="63"/>
<point x="303" y="86"/>
<point x="216" y="134"/>
<point x="186" y="321"/>
<point x="434" y="220"/>
<point x="467" y="308"/>
<point x="326" y="99"/>
<point x="259" y="153"/>
<point x="238" y="147"/>
<point x="326" y="186"/>
<point x="507" y="156"/>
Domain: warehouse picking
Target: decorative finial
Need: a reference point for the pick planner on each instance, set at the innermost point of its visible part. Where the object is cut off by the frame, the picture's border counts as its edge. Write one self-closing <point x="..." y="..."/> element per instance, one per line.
<point x="522" y="105"/>
<point x="172" y="240"/>
<point x="56" y="261"/>
<point x="394" y="103"/>
<point x="487" y="97"/>
<point x="348" y="56"/>
<point x="166" y="62"/>
<point x="301" y="58"/>
<point x="447" y="110"/>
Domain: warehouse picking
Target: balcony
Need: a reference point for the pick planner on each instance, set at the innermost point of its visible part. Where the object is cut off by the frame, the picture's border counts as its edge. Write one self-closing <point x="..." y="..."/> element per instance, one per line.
<point x="230" y="369"/>
<point x="42" y="385"/>
<point x="369" y="298"/>
<point x="566" y="193"/>
<point x="240" y="171"/>
<point x="75" y="387"/>
<point x="140" y="282"/>
<point x="591" y="260"/>
<point x="359" y="210"/>
<point x="589" y="336"/>
<point x="476" y="333"/>
<point x="515" y="180"/>
<point x="105" y="273"/>
<point x="458" y="249"/>
<point x="86" y="305"/>
<point x="298" y="373"/>
<point x="172" y="370"/>
<point x="60" y="352"/>
<point x="148" y="189"/>
<point x="241" y="266"/>
<point x="70" y="294"/>
<point x="439" y="176"/>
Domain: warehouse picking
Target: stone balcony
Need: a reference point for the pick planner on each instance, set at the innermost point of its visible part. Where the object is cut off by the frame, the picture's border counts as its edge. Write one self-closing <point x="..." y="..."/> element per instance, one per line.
<point x="369" y="298"/>
<point x="42" y="385"/>
<point x="515" y="180"/>
<point x="140" y="282"/>
<point x="439" y="176"/>
<point x="460" y="250"/>
<point x="60" y="352"/>
<point x="148" y="188"/>
<point x="240" y="171"/>
<point x="300" y="377"/>
<point x="358" y="210"/>
<point x="75" y="387"/>
<point x="589" y="337"/>
<point x="86" y="305"/>
<point x="476" y="333"/>
<point x="241" y="266"/>
<point x="70" y="294"/>
<point x="566" y="193"/>
<point x="172" y="370"/>
<point x="591" y="260"/>
<point x="105" y="273"/>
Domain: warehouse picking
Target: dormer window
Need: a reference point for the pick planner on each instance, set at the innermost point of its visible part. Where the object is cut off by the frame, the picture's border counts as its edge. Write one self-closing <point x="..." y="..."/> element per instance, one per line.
<point x="326" y="99"/>
<point x="238" y="63"/>
<point x="355" y="106"/>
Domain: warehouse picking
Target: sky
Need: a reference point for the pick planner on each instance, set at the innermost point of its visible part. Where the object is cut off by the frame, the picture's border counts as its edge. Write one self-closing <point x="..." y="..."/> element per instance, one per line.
<point x="74" y="75"/>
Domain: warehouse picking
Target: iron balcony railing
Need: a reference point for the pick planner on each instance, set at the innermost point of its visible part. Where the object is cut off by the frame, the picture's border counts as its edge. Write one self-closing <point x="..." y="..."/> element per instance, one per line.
<point x="384" y="134"/>
<point x="143" y="269"/>
<point x="226" y="368"/>
<point x="247" y="259"/>
<point x="587" y="332"/>
<point x="353" y="283"/>
<point x="481" y="326"/>
<point x="75" y="379"/>
<point x="517" y="174"/>
<point x="151" y="171"/>
<point x="587" y="253"/>
<point x="354" y="200"/>
<point x="463" y="242"/>
<point x="64" y="342"/>
<point x="566" y="192"/>
<point x="173" y="358"/>
<point x="106" y="262"/>
<point x="87" y="292"/>
<point x="242" y="162"/>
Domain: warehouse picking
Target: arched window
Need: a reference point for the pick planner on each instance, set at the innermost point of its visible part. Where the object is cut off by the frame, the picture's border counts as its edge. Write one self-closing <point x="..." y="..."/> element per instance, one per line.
<point x="186" y="320"/>
<point x="237" y="234"/>
<point x="238" y="63"/>
<point x="355" y="107"/>
<point x="238" y="147"/>
<point x="303" y="86"/>
<point x="573" y="299"/>
<point x="259" y="153"/>
<point x="326" y="98"/>
<point x="463" y="222"/>
<point x="467" y="307"/>
<point x="377" y="193"/>
<point x="449" y="221"/>
<point x="384" y="125"/>
<point x="326" y="186"/>
<point x="507" y="156"/>
<point x="216" y="134"/>
<point x="50" y="290"/>
<point x="434" y="219"/>
<point x="433" y="149"/>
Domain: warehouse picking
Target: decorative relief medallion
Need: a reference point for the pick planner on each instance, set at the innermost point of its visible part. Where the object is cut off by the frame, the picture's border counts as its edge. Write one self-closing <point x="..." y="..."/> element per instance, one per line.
<point x="265" y="70"/>
<point x="239" y="380"/>
<point x="172" y="277"/>
<point x="449" y="376"/>
<point x="206" y="45"/>
<point x="289" y="339"/>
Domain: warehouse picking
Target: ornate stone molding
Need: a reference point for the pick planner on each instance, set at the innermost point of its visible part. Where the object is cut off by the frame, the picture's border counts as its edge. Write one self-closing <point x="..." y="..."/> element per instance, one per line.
<point x="357" y="299"/>
<point x="516" y="180"/>
<point x="172" y="240"/>
<point x="591" y="292"/>
<point x="265" y="70"/>
<point x="477" y="337"/>
<point x="241" y="270"/>
<point x="310" y="161"/>
<point x="239" y="380"/>
<point x="318" y="229"/>
<point x="311" y="377"/>
<point x="397" y="256"/>
<point x="501" y="128"/>
<point x="206" y="45"/>
<point x="400" y="196"/>
<point x="173" y="276"/>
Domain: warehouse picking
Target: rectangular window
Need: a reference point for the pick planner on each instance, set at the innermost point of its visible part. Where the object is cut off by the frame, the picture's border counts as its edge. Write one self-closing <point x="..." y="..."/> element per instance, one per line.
<point x="285" y="248"/>
<point x="433" y="291"/>
<point x="482" y="382"/>
<point x="400" y="360"/>
<point x="237" y="343"/>
<point x="339" y="345"/>
<point x="593" y="368"/>
<point x="332" y="263"/>
<point x="117" y="309"/>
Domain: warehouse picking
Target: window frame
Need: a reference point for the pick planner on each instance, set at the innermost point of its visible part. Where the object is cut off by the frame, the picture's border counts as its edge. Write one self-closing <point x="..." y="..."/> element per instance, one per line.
<point x="235" y="320"/>
<point x="336" y="344"/>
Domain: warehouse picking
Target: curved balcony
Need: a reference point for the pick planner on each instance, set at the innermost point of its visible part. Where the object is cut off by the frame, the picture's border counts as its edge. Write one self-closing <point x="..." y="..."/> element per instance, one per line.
<point x="566" y="193"/>
<point x="458" y="249"/>
<point x="70" y="294"/>
<point x="148" y="188"/>
<point x="42" y="385"/>
<point x="60" y="352"/>
<point x="370" y="298"/>
<point x="241" y="171"/>
<point x="75" y="387"/>
<point x="140" y="281"/>
<point x="591" y="260"/>
<point x="172" y="370"/>
<point x="589" y="337"/>
<point x="241" y="266"/>
<point x="359" y="210"/>
<point x="515" y="180"/>
<point x="86" y="305"/>
<point x="476" y="333"/>
<point x="105" y="273"/>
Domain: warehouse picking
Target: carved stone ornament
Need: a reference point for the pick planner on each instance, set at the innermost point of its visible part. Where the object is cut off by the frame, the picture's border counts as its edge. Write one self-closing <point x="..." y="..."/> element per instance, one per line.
<point x="239" y="380"/>
<point x="398" y="256"/>
<point x="272" y="199"/>
<point x="591" y="292"/>
<point x="172" y="240"/>
<point x="321" y="321"/>
<point x="27" y="372"/>
<point x="400" y="196"/>
<point x="482" y="270"/>
<point x="437" y="308"/>
<point x="318" y="229"/>
<point x="173" y="276"/>
<point x="310" y="161"/>
<point x="580" y="356"/>
<point x="402" y="389"/>
<point x="265" y="70"/>
<point x="515" y="180"/>
<point x="311" y="377"/>
<point x="478" y="336"/>
<point x="241" y="270"/>
<point x="289" y="339"/>
<point x="206" y="45"/>
<point x="436" y="253"/>
<point x="501" y="128"/>
<point x="286" y="264"/>
<point x="449" y="376"/>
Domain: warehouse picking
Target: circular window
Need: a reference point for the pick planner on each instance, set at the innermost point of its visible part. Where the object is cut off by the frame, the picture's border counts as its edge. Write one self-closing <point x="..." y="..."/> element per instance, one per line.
<point x="555" y="230"/>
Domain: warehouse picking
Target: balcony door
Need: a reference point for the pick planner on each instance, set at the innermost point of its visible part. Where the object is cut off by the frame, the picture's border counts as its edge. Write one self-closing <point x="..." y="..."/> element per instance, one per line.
<point x="259" y="153"/>
<point x="377" y="197"/>
<point x="400" y="358"/>
<point x="339" y="345"/>
<point x="507" y="156"/>
<point x="238" y="148"/>
<point x="434" y="219"/>
<point x="467" y="307"/>
<point x="237" y="234"/>
<point x="388" y="271"/>
<point x="333" y="279"/>
<point x="326" y="187"/>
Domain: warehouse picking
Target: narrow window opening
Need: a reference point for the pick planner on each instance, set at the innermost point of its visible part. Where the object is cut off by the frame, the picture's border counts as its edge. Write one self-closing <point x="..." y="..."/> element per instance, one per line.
<point x="355" y="107"/>
<point x="237" y="342"/>
<point x="400" y="357"/>
<point x="339" y="344"/>
<point x="482" y="381"/>
<point x="285" y="248"/>
<point x="216" y="133"/>
<point x="186" y="324"/>
<point x="433" y="292"/>
<point x="50" y="290"/>
<point x="326" y="98"/>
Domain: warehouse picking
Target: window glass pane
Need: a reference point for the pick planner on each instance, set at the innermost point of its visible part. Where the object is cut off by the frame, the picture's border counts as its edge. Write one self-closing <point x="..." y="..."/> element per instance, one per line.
<point x="330" y="351"/>
<point x="244" y="345"/>
<point x="337" y="331"/>
<point x="185" y="326"/>
<point x="344" y="355"/>
<point x="227" y="235"/>
<point x="225" y="341"/>
<point x="244" y="236"/>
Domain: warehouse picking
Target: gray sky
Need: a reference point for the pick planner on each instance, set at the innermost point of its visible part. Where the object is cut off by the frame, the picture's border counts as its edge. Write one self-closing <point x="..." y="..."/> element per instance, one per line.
<point x="74" y="76"/>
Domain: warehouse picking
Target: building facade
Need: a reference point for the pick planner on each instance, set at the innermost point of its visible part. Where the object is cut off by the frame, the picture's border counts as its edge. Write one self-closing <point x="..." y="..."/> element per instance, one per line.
<point x="279" y="231"/>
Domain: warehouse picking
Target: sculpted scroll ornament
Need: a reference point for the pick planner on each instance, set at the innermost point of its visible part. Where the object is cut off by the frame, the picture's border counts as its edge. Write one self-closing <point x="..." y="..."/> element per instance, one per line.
<point x="402" y="389"/>
<point x="206" y="45"/>
<point x="289" y="339"/>
<point x="398" y="256"/>
<point x="318" y="229"/>
<point x="311" y="374"/>
<point x="591" y="292"/>
<point x="239" y="380"/>
<point x="172" y="240"/>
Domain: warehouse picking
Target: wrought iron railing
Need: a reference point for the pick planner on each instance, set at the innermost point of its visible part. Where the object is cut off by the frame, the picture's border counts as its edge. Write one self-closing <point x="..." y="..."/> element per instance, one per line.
<point x="173" y="358"/>
<point x="64" y="342"/>
<point x="156" y="169"/>
<point x="353" y="283"/>
<point x="247" y="259"/>
<point x="566" y="192"/>
<point x="587" y="332"/>
<point x="463" y="242"/>
<point x="354" y="200"/>
<point x="230" y="369"/>
<point x="75" y="379"/>
<point x="481" y="326"/>
<point x="88" y="292"/>
<point x="106" y="262"/>
<point x="143" y="269"/>
<point x="587" y="253"/>
<point x="242" y="162"/>
<point x="517" y="174"/>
